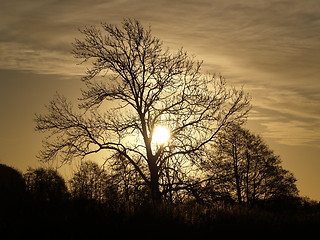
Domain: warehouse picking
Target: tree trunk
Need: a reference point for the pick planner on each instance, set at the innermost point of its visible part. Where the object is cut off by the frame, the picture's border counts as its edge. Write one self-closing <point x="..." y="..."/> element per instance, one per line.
<point x="236" y="174"/>
<point x="247" y="179"/>
<point x="238" y="187"/>
<point x="151" y="159"/>
<point x="154" y="184"/>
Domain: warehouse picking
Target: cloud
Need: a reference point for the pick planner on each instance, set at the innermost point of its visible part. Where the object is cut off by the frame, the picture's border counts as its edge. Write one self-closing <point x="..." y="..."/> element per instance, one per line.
<point x="16" y="56"/>
<point x="293" y="133"/>
<point x="270" y="47"/>
<point x="289" y="117"/>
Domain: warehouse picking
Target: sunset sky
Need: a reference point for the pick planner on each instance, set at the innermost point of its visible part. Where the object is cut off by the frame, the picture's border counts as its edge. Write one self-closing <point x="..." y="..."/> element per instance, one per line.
<point x="270" y="47"/>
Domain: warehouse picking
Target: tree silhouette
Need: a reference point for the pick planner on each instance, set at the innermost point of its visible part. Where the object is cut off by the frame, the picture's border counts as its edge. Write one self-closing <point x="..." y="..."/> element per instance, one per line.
<point x="132" y="190"/>
<point x="89" y="182"/>
<point x="45" y="184"/>
<point x="133" y="86"/>
<point x="248" y="169"/>
<point x="12" y="185"/>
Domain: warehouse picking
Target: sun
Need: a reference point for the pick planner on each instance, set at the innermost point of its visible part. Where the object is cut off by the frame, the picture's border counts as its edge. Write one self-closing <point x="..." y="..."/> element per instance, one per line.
<point x="160" y="135"/>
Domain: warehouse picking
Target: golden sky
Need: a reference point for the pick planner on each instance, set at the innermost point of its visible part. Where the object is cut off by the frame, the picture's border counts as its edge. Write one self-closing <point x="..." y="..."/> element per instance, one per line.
<point x="271" y="47"/>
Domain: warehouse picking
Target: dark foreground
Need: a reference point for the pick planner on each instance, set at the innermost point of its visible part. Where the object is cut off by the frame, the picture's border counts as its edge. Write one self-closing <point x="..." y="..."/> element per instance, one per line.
<point x="90" y="220"/>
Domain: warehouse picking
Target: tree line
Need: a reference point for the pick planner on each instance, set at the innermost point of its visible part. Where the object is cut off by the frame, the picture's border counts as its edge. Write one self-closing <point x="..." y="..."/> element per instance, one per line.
<point x="240" y="169"/>
<point x="95" y="200"/>
<point x="245" y="187"/>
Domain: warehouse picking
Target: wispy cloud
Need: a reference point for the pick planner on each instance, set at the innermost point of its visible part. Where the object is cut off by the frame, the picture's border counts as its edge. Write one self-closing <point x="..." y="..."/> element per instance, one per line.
<point x="292" y="133"/>
<point x="289" y="116"/>
<point x="16" y="56"/>
<point x="271" y="47"/>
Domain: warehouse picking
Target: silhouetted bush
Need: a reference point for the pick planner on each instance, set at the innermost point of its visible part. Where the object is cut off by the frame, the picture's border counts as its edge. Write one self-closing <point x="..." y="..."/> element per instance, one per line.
<point x="12" y="185"/>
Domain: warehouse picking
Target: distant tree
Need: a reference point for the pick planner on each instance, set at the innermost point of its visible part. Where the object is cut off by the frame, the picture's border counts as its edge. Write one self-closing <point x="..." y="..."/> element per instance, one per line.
<point x="133" y="86"/>
<point x="248" y="169"/>
<point x="12" y="185"/>
<point x="45" y="184"/>
<point x="89" y="182"/>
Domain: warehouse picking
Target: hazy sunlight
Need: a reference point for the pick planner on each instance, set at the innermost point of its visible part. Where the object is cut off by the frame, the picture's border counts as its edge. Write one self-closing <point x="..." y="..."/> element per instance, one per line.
<point x="160" y="135"/>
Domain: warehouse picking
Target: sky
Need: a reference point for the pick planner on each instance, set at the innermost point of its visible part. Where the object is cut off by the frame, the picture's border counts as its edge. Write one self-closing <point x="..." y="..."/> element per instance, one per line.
<point x="270" y="47"/>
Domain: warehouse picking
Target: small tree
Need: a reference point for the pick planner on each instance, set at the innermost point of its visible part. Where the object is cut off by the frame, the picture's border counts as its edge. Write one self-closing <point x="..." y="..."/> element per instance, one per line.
<point x="88" y="182"/>
<point x="249" y="169"/>
<point x="134" y="86"/>
<point x="45" y="184"/>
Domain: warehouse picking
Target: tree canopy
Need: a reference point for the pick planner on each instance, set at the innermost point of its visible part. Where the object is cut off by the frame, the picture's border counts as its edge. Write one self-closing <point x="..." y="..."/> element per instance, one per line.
<point x="45" y="184"/>
<point x="134" y="84"/>
<point x="243" y="166"/>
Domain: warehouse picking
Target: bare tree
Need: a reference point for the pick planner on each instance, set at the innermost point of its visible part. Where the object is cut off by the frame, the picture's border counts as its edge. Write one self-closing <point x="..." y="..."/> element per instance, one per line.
<point x="133" y="86"/>
<point x="244" y="162"/>
<point x="89" y="182"/>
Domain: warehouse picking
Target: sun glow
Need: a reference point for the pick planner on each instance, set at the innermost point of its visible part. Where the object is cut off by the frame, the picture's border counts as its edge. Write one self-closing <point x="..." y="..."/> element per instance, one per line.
<point x="160" y="135"/>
